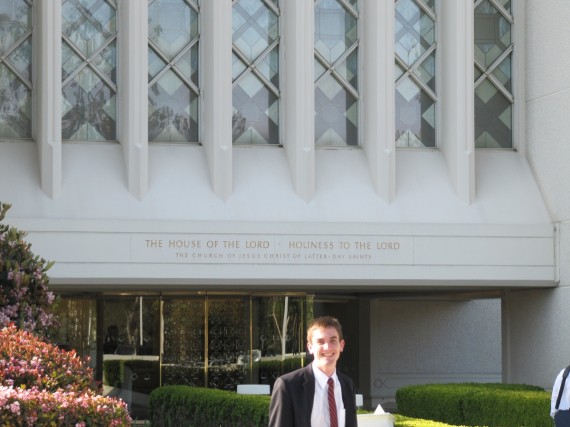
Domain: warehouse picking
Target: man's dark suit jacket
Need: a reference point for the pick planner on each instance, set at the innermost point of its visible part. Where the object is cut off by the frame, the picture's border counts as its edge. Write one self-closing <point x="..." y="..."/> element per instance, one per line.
<point x="293" y="394"/>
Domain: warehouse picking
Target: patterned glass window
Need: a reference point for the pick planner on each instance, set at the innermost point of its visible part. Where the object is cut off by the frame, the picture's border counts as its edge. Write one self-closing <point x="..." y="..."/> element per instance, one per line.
<point x="336" y="72"/>
<point x="89" y="65"/>
<point x="493" y="74"/>
<point x="415" y="48"/>
<point x="15" y="69"/>
<point x="173" y="94"/>
<point x="255" y="72"/>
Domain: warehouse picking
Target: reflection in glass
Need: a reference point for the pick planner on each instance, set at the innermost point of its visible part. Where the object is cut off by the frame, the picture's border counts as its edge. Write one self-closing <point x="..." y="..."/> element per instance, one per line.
<point x="89" y="64"/>
<point x="493" y="74"/>
<point x="173" y="70"/>
<point x="15" y="69"/>
<point x="336" y="73"/>
<point x="138" y="343"/>
<point x="415" y="48"/>
<point x="278" y="326"/>
<point x="77" y="328"/>
<point x="255" y="72"/>
<point x="130" y="343"/>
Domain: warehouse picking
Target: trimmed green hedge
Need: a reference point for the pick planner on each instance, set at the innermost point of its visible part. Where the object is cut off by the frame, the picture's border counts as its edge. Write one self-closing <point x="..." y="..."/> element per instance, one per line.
<point x="173" y="406"/>
<point x="491" y="405"/>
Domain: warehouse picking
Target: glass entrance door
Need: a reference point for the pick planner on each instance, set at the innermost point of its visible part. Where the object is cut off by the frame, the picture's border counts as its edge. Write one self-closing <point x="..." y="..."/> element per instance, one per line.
<point x="228" y="342"/>
<point x="183" y="341"/>
<point x="205" y="341"/>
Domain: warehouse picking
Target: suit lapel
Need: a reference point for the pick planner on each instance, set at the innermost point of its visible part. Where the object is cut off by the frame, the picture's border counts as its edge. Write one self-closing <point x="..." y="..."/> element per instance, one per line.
<point x="308" y="392"/>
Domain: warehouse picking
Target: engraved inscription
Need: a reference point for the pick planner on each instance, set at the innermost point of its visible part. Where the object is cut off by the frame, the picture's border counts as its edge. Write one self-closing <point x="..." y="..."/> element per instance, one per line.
<point x="272" y="249"/>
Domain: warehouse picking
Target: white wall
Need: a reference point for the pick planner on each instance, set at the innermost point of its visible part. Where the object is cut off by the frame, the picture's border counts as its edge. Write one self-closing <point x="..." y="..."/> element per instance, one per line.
<point x="537" y="323"/>
<point x="417" y="342"/>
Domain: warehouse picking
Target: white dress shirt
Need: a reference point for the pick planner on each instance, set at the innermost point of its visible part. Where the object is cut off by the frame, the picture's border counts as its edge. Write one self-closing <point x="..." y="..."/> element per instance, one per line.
<point x="565" y="400"/>
<point x="320" y="414"/>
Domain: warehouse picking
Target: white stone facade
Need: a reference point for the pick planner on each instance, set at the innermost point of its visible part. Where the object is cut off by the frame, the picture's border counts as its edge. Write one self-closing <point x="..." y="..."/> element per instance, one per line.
<point x="479" y="239"/>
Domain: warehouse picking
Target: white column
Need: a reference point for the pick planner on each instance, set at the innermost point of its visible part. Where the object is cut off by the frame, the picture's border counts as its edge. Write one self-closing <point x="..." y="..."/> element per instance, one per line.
<point x="298" y="93"/>
<point x="133" y="92"/>
<point x="46" y="40"/>
<point x="377" y="94"/>
<point x="216" y="90"/>
<point x="456" y="86"/>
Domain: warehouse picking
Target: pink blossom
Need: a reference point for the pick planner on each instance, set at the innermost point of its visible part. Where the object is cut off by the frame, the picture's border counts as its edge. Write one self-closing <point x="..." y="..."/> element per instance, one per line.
<point x="15" y="408"/>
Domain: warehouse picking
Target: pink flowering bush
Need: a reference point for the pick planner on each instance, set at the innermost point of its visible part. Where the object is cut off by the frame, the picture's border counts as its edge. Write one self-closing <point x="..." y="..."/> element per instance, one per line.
<point x="24" y="296"/>
<point x="26" y="362"/>
<point x="42" y="385"/>
<point x="20" y="407"/>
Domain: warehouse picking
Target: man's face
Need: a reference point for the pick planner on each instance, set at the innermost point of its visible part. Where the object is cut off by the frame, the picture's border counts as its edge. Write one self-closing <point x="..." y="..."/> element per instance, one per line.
<point x="325" y="346"/>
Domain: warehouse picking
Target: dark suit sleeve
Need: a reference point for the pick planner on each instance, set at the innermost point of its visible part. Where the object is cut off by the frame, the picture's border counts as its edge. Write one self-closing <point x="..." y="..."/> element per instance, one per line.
<point x="281" y="406"/>
<point x="349" y="400"/>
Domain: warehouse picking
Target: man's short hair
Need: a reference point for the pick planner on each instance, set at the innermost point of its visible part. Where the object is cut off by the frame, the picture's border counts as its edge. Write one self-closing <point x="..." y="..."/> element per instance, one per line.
<point x="324" y="322"/>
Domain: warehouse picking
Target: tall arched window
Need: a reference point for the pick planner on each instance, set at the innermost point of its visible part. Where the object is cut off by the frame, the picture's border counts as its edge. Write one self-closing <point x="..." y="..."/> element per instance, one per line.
<point x="173" y="95"/>
<point x="336" y="72"/>
<point x="89" y="65"/>
<point x="255" y="72"/>
<point x="494" y="97"/>
<point x="15" y="69"/>
<point x="415" y="49"/>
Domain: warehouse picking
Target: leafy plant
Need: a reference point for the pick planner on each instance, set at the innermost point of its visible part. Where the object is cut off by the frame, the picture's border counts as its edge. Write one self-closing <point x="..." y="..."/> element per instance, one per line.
<point x="24" y="295"/>
<point x="27" y="362"/>
<point x="43" y="385"/>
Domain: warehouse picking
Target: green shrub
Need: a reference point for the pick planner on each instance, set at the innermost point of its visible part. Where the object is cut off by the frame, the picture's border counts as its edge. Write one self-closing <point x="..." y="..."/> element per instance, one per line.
<point x="173" y="406"/>
<point x="474" y="404"/>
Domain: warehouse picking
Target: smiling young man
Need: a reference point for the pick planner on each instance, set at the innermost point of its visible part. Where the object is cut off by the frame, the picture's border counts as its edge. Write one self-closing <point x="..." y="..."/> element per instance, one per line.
<point x="301" y="398"/>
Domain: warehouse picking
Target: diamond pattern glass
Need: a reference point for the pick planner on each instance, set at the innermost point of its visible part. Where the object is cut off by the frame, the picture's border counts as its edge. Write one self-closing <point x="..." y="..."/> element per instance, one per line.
<point x="15" y="69"/>
<point x="336" y="73"/>
<point x="89" y="62"/>
<point x="493" y="74"/>
<point x="184" y="342"/>
<point x="255" y="72"/>
<point x="173" y="70"/>
<point x="227" y="341"/>
<point x="415" y="69"/>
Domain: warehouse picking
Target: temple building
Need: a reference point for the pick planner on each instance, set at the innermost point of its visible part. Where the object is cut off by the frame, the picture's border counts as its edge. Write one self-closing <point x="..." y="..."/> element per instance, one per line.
<point x="209" y="175"/>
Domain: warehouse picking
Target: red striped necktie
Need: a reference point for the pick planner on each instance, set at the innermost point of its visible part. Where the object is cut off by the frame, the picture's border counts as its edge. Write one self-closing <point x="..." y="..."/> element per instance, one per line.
<point x="332" y="404"/>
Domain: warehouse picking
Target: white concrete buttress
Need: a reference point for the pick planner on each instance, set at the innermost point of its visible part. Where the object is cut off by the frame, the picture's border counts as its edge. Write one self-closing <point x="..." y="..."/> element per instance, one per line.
<point x="216" y="91"/>
<point x="47" y="88"/>
<point x="298" y="93"/>
<point x="456" y="86"/>
<point x="133" y="92"/>
<point x="378" y="95"/>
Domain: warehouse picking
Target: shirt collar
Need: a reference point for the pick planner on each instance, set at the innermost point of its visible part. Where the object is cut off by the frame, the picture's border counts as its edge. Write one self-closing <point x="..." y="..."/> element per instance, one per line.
<point x="321" y="378"/>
